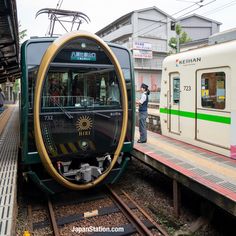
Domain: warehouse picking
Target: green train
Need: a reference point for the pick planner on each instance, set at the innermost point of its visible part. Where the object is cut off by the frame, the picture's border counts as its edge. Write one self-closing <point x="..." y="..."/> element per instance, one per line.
<point x="77" y="111"/>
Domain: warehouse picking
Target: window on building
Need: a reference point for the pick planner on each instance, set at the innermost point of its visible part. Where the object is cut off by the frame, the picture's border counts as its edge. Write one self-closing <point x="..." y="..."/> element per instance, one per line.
<point x="176" y="90"/>
<point x="213" y="90"/>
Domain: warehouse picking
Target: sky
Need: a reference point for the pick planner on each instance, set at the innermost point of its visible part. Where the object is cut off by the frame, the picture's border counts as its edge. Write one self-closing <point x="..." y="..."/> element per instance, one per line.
<point x="103" y="12"/>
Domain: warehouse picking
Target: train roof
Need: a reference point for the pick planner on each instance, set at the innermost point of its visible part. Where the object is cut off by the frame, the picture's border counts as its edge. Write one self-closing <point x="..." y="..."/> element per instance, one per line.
<point x="46" y="39"/>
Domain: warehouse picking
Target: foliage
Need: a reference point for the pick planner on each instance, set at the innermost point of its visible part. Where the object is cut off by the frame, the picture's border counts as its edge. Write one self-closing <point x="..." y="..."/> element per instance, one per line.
<point x="22" y="33"/>
<point x="181" y="35"/>
<point x="178" y="29"/>
<point x="16" y="86"/>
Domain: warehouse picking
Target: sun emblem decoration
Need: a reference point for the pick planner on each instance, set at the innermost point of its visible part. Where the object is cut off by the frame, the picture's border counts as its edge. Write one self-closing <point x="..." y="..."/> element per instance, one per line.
<point x="84" y="123"/>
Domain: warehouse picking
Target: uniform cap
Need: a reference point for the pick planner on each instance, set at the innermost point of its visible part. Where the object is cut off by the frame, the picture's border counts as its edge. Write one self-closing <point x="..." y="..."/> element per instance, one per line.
<point x="144" y="86"/>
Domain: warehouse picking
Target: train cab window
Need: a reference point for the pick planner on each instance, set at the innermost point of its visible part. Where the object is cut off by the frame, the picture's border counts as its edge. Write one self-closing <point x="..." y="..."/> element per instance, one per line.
<point x="80" y="89"/>
<point x="213" y="90"/>
<point x="98" y="89"/>
<point x="82" y="76"/>
<point x="176" y="90"/>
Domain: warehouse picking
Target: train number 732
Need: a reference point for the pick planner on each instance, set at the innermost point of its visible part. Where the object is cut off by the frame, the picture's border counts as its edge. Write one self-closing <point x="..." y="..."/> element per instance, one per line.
<point x="47" y="118"/>
<point x="187" y="88"/>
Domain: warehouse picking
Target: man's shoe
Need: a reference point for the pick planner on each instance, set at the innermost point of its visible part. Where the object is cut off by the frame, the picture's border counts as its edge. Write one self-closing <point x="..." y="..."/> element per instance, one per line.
<point x="140" y="141"/>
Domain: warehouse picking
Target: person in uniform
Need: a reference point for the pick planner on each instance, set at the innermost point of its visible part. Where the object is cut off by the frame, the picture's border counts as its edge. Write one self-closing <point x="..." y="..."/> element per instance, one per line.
<point x="143" y="114"/>
<point x="2" y="99"/>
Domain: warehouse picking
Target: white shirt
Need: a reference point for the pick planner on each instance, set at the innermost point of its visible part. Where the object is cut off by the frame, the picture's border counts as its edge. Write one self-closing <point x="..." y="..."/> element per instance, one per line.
<point x="143" y="98"/>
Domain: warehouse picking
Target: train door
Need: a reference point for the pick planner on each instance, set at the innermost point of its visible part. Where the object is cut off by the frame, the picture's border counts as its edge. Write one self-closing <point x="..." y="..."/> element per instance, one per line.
<point x="213" y="106"/>
<point x="174" y="103"/>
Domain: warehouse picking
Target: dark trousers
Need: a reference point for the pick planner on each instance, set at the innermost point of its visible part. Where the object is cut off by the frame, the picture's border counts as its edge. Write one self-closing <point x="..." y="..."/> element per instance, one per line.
<point x="142" y="125"/>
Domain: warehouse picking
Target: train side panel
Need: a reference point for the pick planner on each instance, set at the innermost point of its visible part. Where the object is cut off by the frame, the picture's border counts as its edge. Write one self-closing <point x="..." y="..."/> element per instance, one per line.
<point x="197" y="98"/>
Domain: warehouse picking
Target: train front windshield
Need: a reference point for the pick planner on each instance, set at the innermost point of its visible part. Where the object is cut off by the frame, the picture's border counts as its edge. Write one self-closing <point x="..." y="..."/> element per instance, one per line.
<point x="81" y="88"/>
<point x="81" y="112"/>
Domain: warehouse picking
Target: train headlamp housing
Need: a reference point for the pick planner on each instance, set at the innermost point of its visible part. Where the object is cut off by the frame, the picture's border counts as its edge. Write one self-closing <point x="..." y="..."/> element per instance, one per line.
<point x="47" y="59"/>
<point x="83" y="45"/>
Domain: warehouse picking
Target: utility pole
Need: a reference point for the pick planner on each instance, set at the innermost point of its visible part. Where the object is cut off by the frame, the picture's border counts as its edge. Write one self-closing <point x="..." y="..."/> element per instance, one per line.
<point x="178" y="44"/>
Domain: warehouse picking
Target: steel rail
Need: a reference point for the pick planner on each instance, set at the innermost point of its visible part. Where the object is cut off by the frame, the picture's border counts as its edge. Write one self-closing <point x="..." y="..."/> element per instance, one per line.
<point x="134" y="220"/>
<point x="158" y="226"/>
<point x="30" y="217"/>
<point x="53" y="219"/>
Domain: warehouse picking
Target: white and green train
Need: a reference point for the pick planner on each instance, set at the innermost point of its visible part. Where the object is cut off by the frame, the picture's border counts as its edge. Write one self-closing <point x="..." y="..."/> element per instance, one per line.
<point x="198" y="99"/>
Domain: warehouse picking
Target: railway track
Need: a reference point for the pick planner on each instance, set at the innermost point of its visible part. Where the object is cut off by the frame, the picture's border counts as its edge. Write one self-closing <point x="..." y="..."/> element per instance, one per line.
<point x="141" y="228"/>
<point x="120" y="215"/>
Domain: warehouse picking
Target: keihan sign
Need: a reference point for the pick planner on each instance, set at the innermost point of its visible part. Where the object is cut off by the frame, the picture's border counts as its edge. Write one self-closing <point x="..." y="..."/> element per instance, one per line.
<point x="188" y="61"/>
<point x="83" y="56"/>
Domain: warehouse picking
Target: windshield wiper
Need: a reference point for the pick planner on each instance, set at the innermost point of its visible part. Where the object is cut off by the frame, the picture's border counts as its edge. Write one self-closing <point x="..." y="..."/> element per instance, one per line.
<point x="100" y="114"/>
<point x="62" y="108"/>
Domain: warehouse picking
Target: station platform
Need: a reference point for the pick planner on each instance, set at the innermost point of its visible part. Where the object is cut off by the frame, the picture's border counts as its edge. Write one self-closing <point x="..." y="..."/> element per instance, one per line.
<point x="9" y="137"/>
<point x="208" y="174"/>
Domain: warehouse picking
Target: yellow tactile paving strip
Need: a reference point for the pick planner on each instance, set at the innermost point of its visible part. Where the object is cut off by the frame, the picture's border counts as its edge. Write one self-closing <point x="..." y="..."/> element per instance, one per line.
<point x="193" y="157"/>
<point x="4" y="117"/>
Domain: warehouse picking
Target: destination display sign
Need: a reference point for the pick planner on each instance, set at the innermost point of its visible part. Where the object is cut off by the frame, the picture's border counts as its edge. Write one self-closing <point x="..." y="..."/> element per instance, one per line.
<point x="83" y="56"/>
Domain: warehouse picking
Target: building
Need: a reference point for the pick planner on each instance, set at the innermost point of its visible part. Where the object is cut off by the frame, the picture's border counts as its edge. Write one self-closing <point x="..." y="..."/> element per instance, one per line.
<point x="146" y="32"/>
<point x="199" y="29"/>
<point x="224" y="36"/>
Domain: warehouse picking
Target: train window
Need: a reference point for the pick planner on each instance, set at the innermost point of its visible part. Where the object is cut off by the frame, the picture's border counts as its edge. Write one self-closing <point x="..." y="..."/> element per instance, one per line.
<point x="213" y="90"/>
<point x="82" y="76"/>
<point x="32" y="73"/>
<point x="35" y="58"/>
<point x="81" y="89"/>
<point x="124" y="60"/>
<point x="176" y="89"/>
<point x="68" y="74"/>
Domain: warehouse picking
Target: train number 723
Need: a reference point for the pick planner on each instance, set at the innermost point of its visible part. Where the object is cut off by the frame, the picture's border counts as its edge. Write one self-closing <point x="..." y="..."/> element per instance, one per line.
<point x="187" y="88"/>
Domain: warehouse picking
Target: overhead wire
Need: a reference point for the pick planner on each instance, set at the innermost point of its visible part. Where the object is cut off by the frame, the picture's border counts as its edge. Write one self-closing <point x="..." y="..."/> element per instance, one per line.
<point x="200" y="6"/>
<point x="59" y="3"/>
<point x="220" y="8"/>
<point x="58" y="6"/>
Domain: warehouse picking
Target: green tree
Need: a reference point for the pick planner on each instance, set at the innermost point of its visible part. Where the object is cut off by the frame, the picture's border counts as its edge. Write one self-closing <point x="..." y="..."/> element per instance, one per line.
<point x="22" y="33"/>
<point x="16" y="89"/>
<point x="16" y="86"/>
<point x="182" y="37"/>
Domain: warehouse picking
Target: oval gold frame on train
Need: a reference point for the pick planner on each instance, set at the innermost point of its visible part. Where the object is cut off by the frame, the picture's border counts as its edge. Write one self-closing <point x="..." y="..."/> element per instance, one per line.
<point x="48" y="57"/>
